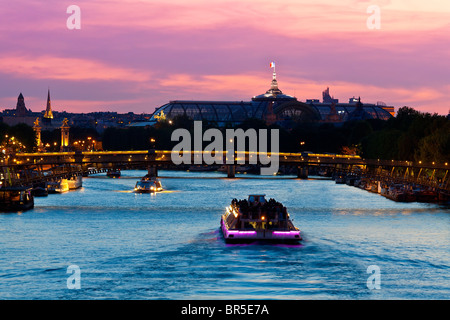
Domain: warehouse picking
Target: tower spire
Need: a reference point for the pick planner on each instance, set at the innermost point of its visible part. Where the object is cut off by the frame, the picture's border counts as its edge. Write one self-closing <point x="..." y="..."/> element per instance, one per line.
<point x="274" y="85"/>
<point x="48" y="111"/>
<point x="274" y="92"/>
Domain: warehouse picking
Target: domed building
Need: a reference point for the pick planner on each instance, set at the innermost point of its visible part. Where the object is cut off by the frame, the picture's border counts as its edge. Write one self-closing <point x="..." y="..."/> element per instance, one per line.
<point x="272" y="107"/>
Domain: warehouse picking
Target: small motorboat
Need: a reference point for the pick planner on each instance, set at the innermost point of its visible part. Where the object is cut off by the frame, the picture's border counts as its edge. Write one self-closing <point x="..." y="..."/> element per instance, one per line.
<point x="148" y="184"/>
<point x="115" y="173"/>
<point x="256" y="219"/>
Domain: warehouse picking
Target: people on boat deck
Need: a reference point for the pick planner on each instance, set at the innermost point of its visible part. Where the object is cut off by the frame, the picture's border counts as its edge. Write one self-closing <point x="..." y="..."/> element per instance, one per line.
<point x="270" y="210"/>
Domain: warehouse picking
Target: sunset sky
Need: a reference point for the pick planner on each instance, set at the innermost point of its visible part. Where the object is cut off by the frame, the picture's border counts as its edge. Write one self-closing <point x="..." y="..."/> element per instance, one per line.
<point x="132" y="55"/>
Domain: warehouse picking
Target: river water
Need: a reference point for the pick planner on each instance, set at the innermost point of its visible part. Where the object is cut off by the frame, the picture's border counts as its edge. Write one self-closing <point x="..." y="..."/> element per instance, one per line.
<point x="168" y="245"/>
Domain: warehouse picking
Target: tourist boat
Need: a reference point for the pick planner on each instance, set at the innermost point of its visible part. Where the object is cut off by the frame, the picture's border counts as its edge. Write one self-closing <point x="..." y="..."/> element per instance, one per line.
<point x="115" y="173"/>
<point x="256" y="219"/>
<point x="13" y="199"/>
<point x="148" y="184"/>
<point x="75" y="182"/>
<point x="59" y="186"/>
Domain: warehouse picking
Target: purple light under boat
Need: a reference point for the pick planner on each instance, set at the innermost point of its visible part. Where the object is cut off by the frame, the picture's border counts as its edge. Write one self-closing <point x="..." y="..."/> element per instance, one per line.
<point x="237" y="232"/>
<point x="241" y="232"/>
<point x="286" y="232"/>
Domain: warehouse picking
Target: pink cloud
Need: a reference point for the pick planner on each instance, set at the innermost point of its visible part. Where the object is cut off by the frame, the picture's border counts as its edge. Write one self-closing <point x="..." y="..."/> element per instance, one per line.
<point x="60" y="68"/>
<point x="292" y="18"/>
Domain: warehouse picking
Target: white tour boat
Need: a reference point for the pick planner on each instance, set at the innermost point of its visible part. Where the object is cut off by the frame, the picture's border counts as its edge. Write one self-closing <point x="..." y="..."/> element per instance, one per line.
<point x="256" y="219"/>
<point x="75" y="182"/>
<point x="59" y="186"/>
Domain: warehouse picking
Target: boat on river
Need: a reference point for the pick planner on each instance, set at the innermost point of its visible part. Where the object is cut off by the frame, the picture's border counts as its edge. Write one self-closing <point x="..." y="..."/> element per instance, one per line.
<point x="14" y="199"/>
<point x="75" y="182"/>
<point x="60" y="186"/>
<point x="148" y="184"/>
<point x="257" y="219"/>
<point x="115" y="173"/>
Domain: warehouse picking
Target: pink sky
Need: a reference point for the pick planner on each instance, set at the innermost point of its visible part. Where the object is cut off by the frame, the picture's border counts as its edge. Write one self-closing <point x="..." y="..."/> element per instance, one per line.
<point x="132" y="55"/>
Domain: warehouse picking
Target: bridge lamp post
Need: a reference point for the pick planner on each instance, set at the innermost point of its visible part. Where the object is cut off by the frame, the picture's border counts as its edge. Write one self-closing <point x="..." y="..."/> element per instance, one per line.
<point x="302" y="144"/>
<point x="152" y="143"/>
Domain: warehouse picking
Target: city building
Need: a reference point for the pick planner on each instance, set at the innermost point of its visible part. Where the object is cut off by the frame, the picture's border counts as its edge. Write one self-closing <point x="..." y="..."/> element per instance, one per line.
<point x="272" y="107"/>
<point x="21" y="110"/>
<point x="50" y="119"/>
<point x="20" y="114"/>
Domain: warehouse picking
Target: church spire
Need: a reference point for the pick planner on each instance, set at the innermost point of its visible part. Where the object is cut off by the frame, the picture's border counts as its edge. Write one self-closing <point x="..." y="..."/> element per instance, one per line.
<point x="48" y="111"/>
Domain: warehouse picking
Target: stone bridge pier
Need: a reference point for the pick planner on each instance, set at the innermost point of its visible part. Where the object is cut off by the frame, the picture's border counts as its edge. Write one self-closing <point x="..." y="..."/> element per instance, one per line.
<point x="302" y="172"/>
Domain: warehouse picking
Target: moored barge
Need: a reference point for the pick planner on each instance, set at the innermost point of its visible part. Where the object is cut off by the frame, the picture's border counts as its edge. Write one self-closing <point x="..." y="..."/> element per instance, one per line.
<point x="14" y="199"/>
<point x="59" y="186"/>
<point x="75" y="182"/>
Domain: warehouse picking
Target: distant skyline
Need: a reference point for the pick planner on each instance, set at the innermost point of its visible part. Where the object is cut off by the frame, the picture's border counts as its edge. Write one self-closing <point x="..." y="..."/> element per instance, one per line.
<point x="134" y="56"/>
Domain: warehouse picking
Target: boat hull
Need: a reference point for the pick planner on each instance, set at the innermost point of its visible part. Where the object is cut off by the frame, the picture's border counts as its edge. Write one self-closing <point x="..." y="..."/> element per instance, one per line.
<point x="145" y="191"/>
<point x="148" y="186"/>
<point x="75" y="183"/>
<point x="248" y="236"/>
<point x="17" y="207"/>
<point x="113" y="174"/>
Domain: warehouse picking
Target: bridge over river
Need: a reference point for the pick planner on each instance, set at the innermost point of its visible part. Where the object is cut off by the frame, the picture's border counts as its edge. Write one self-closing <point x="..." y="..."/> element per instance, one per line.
<point x="27" y="169"/>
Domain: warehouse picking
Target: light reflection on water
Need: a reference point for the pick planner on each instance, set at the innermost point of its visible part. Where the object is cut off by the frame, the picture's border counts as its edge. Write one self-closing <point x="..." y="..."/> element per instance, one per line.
<point x="168" y="245"/>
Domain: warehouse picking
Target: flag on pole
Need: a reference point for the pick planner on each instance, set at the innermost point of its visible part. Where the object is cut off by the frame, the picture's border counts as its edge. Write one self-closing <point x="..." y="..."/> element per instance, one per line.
<point x="272" y="64"/>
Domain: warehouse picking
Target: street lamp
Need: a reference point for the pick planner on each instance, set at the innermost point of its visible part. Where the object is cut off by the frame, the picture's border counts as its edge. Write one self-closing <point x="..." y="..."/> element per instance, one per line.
<point x="302" y="143"/>
<point x="152" y="143"/>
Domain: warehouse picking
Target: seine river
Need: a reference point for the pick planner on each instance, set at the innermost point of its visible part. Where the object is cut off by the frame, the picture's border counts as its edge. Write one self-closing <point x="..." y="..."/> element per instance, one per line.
<point x="124" y="245"/>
